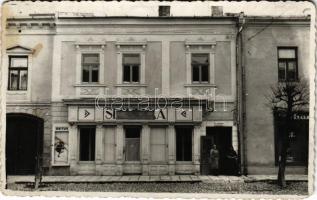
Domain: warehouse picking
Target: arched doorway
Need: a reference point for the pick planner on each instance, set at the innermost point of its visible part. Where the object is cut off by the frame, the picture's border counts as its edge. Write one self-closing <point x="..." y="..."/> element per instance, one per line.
<point x="24" y="143"/>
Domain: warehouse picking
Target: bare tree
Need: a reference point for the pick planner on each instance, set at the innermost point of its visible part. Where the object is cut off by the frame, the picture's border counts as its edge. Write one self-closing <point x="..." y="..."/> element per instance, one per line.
<point x="287" y="98"/>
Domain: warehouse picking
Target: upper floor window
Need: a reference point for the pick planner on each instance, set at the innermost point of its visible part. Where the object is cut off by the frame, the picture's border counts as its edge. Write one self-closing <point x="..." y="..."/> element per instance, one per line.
<point x="131" y="68"/>
<point x="90" y="68"/>
<point x="287" y="64"/>
<point x="200" y="68"/>
<point x="18" y="73"/>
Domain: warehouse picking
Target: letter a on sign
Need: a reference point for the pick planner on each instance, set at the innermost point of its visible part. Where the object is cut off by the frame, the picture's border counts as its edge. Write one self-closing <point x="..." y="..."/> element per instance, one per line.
<point x="160" y="114"/>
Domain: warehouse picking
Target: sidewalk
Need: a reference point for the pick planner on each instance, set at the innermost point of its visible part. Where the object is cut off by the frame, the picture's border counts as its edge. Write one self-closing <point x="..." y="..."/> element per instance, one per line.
<point x="131" y="179"/>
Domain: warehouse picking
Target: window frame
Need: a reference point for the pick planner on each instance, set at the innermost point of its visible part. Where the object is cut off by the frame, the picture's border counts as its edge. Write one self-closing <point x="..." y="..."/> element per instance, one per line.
<point x="19" y="69"/>
<point x="287" y="61"/>
<point x="131" y="66"/>
<point x="183" y="145"/>
<point x="90" y="66"/>
<point x="79" y="144"/>
<point x="200" y="68"/>
<point x="125" y="143"/>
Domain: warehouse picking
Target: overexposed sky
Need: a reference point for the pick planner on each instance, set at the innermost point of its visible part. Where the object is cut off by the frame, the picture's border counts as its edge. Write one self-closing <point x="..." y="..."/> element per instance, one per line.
<point x="150" y="8"/>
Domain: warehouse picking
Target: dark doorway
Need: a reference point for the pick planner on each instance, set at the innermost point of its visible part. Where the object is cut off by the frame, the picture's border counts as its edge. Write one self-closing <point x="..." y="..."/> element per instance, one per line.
<point x="221" y="137"/>
<point x="24" y="143"/>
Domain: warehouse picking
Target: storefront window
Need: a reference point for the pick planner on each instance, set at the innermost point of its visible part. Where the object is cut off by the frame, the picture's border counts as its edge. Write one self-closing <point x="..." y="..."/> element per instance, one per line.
<point x="87" y="143"/>
<point x="132" y="143"/>
<point x="184" y="143"/>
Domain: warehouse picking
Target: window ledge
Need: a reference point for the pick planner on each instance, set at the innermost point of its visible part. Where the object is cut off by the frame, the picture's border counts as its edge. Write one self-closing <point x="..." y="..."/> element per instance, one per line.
<point x="200" y="85"/>
<point x="17" y="92"/>
<point x="131" y="85"/>
<point x="184" y="162"/>
<point x="90" y="85"/>
<point x="132" y="162"/>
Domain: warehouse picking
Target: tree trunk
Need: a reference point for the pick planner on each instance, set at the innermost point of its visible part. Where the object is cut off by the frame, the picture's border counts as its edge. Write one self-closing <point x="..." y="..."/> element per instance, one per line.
<point x="282" y="164"/>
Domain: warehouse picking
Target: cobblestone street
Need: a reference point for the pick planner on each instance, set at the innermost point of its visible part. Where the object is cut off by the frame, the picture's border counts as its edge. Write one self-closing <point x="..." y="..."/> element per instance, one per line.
<point x="296" y="184"/>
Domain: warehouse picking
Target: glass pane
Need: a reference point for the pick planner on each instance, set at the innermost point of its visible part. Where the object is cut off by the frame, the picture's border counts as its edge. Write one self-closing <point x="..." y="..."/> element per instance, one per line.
<point x="87" y="144"/>
<point x="200" y="59"/>
<point x="135" y="73"/>
<point x="90" y="58"/>
<point x="85" y="77"/>
<point x="18" y="62"/>
<point x="286" y="53"/>
<point x="195" y="73"/>
<point x="23" y="79"/>
<point x="126" y="73"/>
<point x="291" y="72"/>
<point x="281" y="70"/>
<point x="131" y="59"/>
<point x="14" y="78"/>
<point x="94" y="75"/>
<point x="204" y="73"/>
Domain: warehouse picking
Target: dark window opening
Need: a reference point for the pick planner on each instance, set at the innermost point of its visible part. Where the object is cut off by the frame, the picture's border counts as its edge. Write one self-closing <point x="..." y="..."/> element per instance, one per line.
<point x="297" y="151"/>
<point x="90" y="68"/>
<point x="18" y="73"/>
<point x="132" y="143"/>
<point x="164" y="11"/>
<point x="131" y="68"/>
<point x="200" y="68"/>
<point x="87" y="143"/>
<point x="184" y="143"/>
<point x="287" y="64"/>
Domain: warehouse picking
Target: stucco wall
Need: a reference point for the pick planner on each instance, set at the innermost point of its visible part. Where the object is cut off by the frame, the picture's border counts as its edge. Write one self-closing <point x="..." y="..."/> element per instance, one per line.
<point x="261" y="73"/>
<point x="41" y="65"/>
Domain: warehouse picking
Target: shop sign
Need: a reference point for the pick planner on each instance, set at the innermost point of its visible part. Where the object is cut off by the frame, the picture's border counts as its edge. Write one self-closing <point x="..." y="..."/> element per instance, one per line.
<point x="86" y="114"/>
<point x="184" y="114"/>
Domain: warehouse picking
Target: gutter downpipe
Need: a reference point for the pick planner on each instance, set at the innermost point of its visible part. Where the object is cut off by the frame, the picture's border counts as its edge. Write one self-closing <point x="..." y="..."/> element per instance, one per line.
<point x="240" y="97"/>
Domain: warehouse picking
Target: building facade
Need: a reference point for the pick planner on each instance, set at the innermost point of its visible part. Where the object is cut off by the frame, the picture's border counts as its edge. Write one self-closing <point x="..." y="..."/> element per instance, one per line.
<point x="143" y="95"/>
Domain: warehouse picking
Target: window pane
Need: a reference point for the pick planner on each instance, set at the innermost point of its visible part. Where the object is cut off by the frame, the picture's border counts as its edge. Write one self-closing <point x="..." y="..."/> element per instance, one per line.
<point x="87" y="144"/>
<point x="132" y="144"/>
<point x="286" y="53"/>
<point x="135" y="73"/>
<point x="91" y="58"/>
<point x="23" y="79"/>
<point x="18" y="62"/>
<point x="195" y="73"/>
<point x="14" y="79"/>
<point x="131" y="59"/>
<point x="85" y="74"/>
<point x="291" y="73"/>
<point x="184" y="144"/>
<point x="126" y="73"/>
<point x="200" y="59"/>
<point x="94" y="75"/>
<point x="204" y="73"/>
<point x="281" y="70"/>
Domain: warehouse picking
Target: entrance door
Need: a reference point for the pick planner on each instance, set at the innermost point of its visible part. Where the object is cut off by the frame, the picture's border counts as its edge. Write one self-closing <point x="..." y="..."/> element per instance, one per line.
<point x="221" y="137"/>
<point x="24" y="141"/>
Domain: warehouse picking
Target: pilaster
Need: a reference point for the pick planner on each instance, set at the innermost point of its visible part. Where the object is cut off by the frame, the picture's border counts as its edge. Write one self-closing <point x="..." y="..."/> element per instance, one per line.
<point x="119" y="149"/>
<point x="145" y="149"/>
<point x="171" y="149"/>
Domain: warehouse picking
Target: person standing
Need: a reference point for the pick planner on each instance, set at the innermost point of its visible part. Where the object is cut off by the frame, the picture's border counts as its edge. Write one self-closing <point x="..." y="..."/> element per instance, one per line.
<point x="214" y="157"/>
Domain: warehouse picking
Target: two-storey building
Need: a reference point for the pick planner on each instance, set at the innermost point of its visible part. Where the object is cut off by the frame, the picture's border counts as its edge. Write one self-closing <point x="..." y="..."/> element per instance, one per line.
<point x="120" y="95"/>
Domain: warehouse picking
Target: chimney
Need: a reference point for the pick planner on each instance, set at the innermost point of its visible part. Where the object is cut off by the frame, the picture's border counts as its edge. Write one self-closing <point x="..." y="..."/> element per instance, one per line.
<point x="164" y="11"/>
<point x="216" y="11"/>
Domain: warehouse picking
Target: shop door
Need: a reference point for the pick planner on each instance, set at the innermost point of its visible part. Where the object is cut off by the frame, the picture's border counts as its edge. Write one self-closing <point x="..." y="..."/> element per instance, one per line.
<point x="221" y="137"/>
<point x="24" y="140"/>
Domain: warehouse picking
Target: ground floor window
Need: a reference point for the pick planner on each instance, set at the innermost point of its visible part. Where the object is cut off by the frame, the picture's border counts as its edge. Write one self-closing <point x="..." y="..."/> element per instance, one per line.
<point x="87" y="143"/>
<point x="184" y="143"/>
<point x="297" y="151"/>
<point x="132" y="143"/>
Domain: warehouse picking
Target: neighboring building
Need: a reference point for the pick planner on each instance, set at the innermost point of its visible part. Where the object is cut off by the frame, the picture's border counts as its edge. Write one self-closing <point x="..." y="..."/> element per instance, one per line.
<point x="58" y="64"/>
